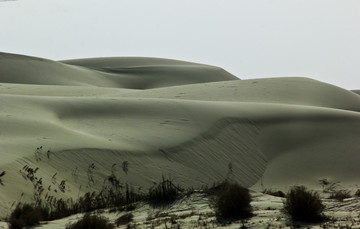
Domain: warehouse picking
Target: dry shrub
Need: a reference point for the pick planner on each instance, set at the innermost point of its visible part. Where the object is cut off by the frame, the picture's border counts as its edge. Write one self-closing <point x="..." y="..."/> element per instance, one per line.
<point x="340" y="195"/>
<point x="274" y="193"/>
<point x="303" y="205"/>
<point x="27" y="215"/>
<point x="163" y="193"/>
<point x="124" y="219"/>
<point x="357" y="193"/>
<point x="231" y="201"/>
<point x="91" y="222"/>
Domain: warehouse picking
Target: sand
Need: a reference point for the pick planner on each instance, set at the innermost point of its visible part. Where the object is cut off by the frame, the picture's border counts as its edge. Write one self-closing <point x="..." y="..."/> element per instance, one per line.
<point x="195" y="123"/>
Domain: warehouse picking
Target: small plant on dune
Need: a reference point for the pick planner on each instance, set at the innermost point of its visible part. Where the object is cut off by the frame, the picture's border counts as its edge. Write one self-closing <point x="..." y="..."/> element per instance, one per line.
<point x="328" y="186"/>
<point x="125" y="166"/>
<point x="303" y="205"/>
<point x="274" y="193"/>
<point x="90" y="174"/>
<point x="91" y="222"/>
<point x="1" y="175"/>
<point x="164" y="193"/>
<point x="340" y="195"/>
<point x="37" y="153"/>
<point x="231" y="201"/>
<point x="75" y="174"/>
<point x="62" y="186"/>
<point x="53" y="178"/>
<point x="124" y="219"/>
<point x="114" y="181"/>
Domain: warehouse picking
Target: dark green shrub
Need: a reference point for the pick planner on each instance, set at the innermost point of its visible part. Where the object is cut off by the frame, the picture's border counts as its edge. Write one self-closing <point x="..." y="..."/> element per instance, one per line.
<point x="163" y="193"/>
<point x="91" y="222"/>
<point x="274" y="193"/>
<point x="303" y="205"/>
<point x="27" y="215"/>
<point x="125" y="219"/>
<point x="231" y="202"/>
<point x="340" y="195"/>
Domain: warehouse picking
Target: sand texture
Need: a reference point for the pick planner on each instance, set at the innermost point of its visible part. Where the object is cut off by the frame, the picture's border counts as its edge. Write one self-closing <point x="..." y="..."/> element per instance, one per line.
<point x="144" y="118"/>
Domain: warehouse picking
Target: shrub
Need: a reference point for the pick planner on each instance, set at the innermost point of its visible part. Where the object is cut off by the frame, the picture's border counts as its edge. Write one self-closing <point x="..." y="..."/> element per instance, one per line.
<point x="303" y="205"/>
<point x="274" y="193"/>
<point x="163" y="193"/>
<point x="27" y="215"/>
<point x="125" y="219"/>
<point x="91" y="222"/>
<point x="340" y="195"/>
<point x="357" y="193"/>
<point x="231" y="201"/>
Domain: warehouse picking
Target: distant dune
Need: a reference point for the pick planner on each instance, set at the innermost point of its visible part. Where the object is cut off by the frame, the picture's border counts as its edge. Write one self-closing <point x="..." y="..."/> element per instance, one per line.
<point x="131" y="72"/>
<point x="195" y="123"/>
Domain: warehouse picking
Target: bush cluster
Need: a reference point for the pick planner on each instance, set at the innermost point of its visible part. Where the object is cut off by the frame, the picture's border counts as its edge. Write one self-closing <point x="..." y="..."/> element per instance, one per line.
<point x="164" y="193"/>
<point x="303" y="205"/>
<point x="231" y="201"/>
<point x="91" y="222"/>
<point x="340" y="195"/>
<point x="26" y="214"/>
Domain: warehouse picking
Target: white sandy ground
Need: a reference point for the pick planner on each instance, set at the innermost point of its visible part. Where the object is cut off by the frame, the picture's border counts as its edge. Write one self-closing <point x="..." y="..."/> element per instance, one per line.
<point x="194" y="212"/>
<point x="190" y="123"/>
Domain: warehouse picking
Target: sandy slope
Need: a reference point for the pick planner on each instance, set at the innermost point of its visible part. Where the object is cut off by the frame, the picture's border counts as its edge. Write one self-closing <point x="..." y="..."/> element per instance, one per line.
<point x="275" y="132"/>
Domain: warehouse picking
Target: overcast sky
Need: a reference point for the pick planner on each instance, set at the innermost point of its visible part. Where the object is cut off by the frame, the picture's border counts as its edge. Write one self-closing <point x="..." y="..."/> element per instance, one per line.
<point x="319" y="39"/>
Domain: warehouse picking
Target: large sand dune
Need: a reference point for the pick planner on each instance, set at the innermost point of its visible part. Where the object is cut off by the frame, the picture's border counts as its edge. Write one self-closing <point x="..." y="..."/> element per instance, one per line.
<point x="191" y="123"/>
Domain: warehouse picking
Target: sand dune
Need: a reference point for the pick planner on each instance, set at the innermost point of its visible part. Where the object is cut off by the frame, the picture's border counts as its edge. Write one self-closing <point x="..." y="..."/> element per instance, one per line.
<point x="275" y="132"/>
<point x="158" y="73"/>
<point x="296" y="91"/>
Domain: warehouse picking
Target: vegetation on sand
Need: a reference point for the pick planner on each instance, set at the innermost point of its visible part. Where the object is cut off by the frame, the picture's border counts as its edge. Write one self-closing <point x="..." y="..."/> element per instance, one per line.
<point x="231" y="201"/>
<point x="303" y="205"/>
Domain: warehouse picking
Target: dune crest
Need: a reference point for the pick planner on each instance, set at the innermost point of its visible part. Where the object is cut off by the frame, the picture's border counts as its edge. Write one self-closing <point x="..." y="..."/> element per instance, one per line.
<point x="107" y="72"/>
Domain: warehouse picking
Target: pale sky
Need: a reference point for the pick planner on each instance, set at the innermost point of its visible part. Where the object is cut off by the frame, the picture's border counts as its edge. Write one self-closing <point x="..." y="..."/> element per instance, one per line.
<point x="319" y="39"/>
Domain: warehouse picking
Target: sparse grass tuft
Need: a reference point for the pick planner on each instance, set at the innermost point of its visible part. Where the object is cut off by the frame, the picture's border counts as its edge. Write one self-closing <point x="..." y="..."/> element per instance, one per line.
<point x="340" y="195"/>
<point x="303" y="205"/>
<point x="91" y="222"/>
<point x="231" y="201"/>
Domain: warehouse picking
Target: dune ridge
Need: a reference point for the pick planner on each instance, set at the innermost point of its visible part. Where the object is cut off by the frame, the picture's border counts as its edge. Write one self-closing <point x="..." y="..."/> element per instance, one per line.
<point x="193" y="122"/>
<point x="21" y="69"/>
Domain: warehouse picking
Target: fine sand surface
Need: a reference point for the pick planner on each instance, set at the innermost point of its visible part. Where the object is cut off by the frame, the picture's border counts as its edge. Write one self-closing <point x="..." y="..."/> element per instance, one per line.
<point x="144" y="118"/>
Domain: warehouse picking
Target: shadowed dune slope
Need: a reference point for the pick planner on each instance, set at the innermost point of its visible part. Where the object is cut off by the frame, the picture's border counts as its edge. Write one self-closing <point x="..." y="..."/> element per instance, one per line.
<point x="275" y="132"/>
